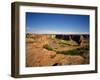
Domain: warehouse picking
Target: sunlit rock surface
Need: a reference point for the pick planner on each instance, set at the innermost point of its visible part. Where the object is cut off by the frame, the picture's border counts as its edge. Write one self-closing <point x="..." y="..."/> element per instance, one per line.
<point x="36" y="55"/>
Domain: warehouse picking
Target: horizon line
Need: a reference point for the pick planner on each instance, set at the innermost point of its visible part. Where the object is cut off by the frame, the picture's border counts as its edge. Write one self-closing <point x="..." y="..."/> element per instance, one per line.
<point x="77" y="33"/>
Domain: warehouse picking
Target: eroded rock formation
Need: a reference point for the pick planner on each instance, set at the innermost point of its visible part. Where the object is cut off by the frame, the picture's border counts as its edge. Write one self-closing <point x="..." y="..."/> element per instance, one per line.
<point x="37" y="40"/>
<point x="36" y="55"/>
<point x="78" y="38"/>
<point x="43" y="57"/>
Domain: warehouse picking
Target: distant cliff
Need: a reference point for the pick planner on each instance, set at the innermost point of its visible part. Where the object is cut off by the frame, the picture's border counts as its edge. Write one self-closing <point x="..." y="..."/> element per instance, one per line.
<point x="79" y="38"/>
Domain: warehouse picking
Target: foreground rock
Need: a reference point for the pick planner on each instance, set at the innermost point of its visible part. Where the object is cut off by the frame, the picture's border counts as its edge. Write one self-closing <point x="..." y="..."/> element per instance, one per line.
<point x="39" y="57"/>
<point x="42" y="57"/>
<point x="61" y="59"/>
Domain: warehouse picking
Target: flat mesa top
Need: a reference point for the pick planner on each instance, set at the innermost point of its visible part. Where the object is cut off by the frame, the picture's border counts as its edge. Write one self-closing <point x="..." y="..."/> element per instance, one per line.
<point x="63" y="33"/>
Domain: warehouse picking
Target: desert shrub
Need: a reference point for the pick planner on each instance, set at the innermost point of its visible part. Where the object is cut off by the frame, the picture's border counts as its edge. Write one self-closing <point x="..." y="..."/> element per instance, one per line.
<point x="52" y="56"/>
<point x="48" y="47"/>
<point x="70" y="52"/>
<point x="78" y="51"/>
<point x="83" y="49"/>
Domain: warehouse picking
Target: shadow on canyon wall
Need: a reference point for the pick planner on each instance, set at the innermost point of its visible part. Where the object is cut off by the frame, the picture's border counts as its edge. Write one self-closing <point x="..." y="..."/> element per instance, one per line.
<point x="77" y="38"/>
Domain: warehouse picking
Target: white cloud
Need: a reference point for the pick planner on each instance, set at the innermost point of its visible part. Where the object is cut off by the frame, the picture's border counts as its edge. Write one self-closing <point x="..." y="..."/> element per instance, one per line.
<point x="44" y="31"/>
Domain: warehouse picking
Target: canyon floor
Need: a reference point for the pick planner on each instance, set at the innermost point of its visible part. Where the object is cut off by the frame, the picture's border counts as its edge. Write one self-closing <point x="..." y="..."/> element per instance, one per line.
<point x="47" y="50"/>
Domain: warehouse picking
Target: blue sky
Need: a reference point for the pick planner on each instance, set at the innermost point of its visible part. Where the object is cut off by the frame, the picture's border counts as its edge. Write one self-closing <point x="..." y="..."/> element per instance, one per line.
<point x="56" y="23"/>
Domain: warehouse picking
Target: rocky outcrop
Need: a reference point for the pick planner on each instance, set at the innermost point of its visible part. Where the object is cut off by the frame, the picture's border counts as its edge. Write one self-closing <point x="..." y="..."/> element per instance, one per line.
<point x="84" y="41"/>
<point x="39" y="57"/>
<point x="37" y="39"/>
<point x="43" y="57"/>
<point x="61" y="59"/>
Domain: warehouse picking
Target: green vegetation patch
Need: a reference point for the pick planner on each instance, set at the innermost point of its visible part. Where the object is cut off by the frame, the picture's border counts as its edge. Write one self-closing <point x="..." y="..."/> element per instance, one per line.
<point x="52" y="56"/>
<point x="48" y="47"/>
<point x="63" y="42"/>
<point x="78" y="51"/>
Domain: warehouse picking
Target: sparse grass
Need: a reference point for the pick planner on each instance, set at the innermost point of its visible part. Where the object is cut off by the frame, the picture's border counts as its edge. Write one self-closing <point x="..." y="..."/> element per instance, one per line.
<point x="60" y="41"/>
<point x="70" y="52"/>
<point x="63" y="42"/>
<point x="78" y="51"/>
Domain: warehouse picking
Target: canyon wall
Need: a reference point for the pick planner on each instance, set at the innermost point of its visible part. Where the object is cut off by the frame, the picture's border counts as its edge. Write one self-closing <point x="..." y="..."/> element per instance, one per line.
<point x="79" y="38"/>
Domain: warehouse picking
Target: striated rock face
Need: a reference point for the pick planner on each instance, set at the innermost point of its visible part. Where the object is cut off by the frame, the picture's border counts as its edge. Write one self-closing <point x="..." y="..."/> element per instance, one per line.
<point x="84" y="41"/>
<point x="77" y="39"/>
<point x="37" y="40"/>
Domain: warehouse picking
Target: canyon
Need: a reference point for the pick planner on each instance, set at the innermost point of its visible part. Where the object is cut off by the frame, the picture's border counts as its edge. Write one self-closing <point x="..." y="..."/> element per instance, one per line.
<point x="56" y="49"/>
